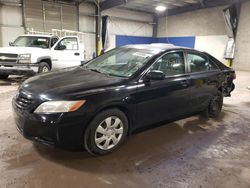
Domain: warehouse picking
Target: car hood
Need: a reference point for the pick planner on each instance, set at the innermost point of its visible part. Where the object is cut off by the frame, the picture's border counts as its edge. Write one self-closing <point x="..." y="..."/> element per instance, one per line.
<point x="19" y="50"/>
<point x="68" y="83"/>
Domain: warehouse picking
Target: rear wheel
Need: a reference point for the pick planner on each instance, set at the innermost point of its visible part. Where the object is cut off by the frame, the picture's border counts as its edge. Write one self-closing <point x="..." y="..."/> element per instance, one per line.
<point x="43" y="67"/>
<point x="5" y="76"/>
<point x="106" y="132"/>
<point x="215" y="106"/>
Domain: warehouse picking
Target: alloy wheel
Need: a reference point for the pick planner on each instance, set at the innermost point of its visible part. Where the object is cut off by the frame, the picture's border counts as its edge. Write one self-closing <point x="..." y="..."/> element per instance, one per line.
<point x="109" y="133"/>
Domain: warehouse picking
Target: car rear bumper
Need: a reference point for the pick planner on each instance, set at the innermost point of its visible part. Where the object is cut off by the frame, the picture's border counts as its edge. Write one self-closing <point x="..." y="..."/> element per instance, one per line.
<point x="18" y="69"/>
<point x="56" y="130"/>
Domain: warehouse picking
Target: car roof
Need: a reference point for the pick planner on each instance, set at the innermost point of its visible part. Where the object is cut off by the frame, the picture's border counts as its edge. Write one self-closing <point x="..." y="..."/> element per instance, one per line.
<point x="38" y="35"/>
<point x="156" y="46"/>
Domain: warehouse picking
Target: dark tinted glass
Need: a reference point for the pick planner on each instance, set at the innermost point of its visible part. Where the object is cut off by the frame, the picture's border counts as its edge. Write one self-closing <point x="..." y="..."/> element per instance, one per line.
<point x="53" y="41"/>
<point x="171" y="64"/>
<point x="200" y="64"/>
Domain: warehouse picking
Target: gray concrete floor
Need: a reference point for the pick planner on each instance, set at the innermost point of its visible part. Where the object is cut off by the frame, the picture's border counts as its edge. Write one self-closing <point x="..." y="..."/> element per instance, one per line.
<point x="193" y="152"/>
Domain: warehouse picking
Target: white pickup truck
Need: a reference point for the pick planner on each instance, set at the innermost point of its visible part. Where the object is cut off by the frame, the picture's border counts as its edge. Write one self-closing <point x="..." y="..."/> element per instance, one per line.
<point x="31" y="54"/>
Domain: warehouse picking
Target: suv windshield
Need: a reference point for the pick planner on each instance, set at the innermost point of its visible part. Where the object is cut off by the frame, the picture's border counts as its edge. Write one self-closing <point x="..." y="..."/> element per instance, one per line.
<point x="32" y="41"/>
<point x="121" y="62"/>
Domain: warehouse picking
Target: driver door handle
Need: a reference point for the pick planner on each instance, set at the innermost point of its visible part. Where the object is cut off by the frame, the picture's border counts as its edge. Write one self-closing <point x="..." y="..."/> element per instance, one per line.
<point x="77" y="54"/>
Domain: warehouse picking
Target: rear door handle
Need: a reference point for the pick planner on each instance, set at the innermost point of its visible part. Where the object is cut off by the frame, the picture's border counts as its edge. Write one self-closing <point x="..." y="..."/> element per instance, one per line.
<point x="184" y="83"/>
<point x="77" y="54"/>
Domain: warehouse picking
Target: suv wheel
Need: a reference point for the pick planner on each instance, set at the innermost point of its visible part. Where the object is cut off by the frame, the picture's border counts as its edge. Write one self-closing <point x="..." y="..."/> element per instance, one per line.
<point x="43" y="67"/>
<point x="106" y="132"/>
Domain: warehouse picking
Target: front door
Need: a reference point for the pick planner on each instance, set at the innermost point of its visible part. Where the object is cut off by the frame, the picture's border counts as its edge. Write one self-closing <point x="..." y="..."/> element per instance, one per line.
<point x="160" y="100"/>
<point x="66" y="53"/>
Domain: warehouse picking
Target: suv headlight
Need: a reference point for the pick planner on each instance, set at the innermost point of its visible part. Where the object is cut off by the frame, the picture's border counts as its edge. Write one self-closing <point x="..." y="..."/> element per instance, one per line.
<point x="59" y="106"/>
<point x="24" y="58"/>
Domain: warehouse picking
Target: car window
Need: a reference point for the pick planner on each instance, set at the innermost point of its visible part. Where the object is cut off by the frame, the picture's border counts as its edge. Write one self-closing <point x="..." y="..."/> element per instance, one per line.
<point x="199" y="63"/>
<point x="123" y="62"/>
<point x="53" y="41"/>
<point x="70" y="43"/>
<point x="32" y="41"/>
<point x="171" y="64"/>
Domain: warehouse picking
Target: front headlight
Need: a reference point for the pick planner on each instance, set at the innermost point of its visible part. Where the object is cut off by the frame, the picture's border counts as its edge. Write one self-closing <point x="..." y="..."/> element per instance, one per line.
<point x="24" y="58"/>
<point x="59" y="106"/>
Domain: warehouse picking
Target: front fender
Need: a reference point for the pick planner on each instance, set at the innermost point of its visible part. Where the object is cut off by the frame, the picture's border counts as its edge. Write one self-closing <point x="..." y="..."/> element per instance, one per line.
<point x="39" y="59"/>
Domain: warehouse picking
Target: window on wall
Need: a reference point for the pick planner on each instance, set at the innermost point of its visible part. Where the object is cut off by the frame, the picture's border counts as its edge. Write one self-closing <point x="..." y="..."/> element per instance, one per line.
<point x="171" y="64"/>
<point x="200" y="63"/>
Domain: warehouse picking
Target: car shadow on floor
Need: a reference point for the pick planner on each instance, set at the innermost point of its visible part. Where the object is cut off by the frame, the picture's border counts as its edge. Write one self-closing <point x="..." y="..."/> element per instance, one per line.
<point x="177" y="139"/>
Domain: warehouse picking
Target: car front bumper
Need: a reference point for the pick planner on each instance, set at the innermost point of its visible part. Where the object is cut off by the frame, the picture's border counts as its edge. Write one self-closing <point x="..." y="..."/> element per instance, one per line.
<point x="57" y="130"/>
<point x="18" y="69"/>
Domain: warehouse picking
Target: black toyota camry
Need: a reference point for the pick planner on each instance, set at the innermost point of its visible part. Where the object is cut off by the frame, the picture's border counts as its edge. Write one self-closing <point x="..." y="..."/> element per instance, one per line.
<point x="97" y="105"/>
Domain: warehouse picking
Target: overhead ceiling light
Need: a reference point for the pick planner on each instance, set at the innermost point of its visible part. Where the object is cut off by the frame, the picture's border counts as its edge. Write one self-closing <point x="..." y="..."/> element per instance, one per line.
<point x="160" y="8"/>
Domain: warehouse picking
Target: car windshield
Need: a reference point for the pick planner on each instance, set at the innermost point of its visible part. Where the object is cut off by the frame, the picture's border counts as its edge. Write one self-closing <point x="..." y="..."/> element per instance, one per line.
<point x="32" y="41"/>
<point x="121" y="62"/>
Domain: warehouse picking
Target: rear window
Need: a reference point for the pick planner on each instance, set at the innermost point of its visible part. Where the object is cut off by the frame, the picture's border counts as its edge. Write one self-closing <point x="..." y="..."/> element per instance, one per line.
<point x="199" y="63"/>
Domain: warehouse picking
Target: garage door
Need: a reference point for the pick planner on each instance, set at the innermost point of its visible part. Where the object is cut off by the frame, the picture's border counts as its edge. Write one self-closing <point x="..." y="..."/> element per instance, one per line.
<point x="44" y="16"/>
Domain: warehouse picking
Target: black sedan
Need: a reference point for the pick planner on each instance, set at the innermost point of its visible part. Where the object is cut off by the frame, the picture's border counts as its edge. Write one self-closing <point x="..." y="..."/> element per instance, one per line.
<point x="97" y="105"/>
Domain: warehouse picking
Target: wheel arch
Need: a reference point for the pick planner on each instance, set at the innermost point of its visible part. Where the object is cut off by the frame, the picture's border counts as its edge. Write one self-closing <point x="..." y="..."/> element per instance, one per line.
<point x="46" y="59"/>
<point x="121" y="108"/>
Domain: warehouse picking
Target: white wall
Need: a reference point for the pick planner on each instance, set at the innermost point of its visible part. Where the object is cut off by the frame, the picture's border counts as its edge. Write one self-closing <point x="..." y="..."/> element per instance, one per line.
<point x="202" y="22"/>
<point x="207" y="25"/>
<point x="10" y="24"/>
<point x="126" y="22"/>
<point x="214" y="45"/>
<point x="242" y="53"/>
<point x="87" y="26"/>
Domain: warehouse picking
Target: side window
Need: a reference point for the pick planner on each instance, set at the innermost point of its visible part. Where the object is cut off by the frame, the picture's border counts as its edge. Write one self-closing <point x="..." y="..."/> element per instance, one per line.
<point x="53" y="41"/>
<point x="200" y="64"/>
<point x="69" y="43"/>
<point x="171" y="64"/>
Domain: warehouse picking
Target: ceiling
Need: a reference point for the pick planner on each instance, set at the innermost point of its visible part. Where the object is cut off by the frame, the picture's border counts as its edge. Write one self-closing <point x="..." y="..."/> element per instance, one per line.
<point x="173" y="6"/>
<point x="149" y="5"/>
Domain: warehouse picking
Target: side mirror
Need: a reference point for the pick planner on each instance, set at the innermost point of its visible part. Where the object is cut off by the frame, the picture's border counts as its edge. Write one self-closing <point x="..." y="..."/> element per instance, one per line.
<point x="155" y="75"/>
<point x="61" y="47"/>
<point x="11" y="44"/>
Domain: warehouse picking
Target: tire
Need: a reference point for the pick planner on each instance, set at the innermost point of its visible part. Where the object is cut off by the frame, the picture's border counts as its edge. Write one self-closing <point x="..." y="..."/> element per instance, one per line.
<point x="215" y="106"/>
<point x="43" y="67"/>
<point x="99" y="138"/>
<point x="4" y="76"/>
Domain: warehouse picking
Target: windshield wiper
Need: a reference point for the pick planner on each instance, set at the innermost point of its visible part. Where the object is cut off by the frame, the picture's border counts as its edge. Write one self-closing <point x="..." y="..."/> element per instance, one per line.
<point x="117" y="75"/>
<point x="95" y="70"/>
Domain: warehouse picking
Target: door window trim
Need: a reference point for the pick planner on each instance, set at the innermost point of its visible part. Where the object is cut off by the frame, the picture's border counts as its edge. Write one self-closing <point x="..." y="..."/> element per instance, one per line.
<point x="202" y="55"/>
<point x="172" y="76"/>
<point x="69" y="38"/>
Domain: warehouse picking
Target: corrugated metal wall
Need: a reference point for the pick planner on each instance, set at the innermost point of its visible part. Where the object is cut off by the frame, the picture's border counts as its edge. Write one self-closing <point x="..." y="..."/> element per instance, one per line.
<point x="11" y="24"/>
<point x="45" y="16"/>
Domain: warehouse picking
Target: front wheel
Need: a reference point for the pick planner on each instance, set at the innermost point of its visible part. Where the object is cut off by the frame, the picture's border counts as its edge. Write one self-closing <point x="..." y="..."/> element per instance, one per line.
<point x="215" y="106"/>
<point x="106" y="132"/>
<point x="4" y="76"/>
<point x="43" y="67"/>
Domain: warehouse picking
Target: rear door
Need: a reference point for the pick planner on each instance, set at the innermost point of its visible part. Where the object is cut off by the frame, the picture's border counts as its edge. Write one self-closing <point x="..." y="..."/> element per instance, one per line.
<point x="68" y="57"/>
<point x="205" y="77"/>
<point x="160" y="100"/>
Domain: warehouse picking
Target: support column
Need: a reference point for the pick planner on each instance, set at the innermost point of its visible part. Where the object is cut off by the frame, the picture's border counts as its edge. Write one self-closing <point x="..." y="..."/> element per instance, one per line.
<point x="155" y="26"/>
<point x="98" y="29"/>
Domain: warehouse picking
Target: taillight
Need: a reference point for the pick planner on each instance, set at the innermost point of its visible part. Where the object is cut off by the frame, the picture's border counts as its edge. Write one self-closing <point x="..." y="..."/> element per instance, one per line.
<point x="234" y="76"/>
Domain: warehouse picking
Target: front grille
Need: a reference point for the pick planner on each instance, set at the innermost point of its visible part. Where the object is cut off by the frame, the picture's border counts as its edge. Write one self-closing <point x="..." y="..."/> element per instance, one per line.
<point x="23" y="102"/>
<point x="8" y="58"/>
